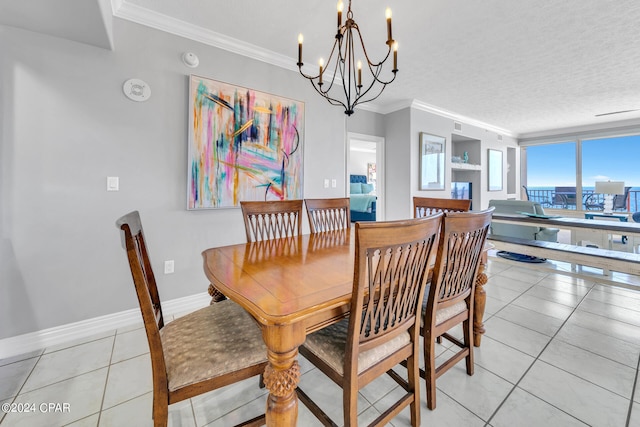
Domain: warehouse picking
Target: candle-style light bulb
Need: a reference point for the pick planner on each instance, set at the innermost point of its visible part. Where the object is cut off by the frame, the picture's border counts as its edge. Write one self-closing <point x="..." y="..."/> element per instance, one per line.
<point x="395" y="56"/>
<point x="340" y="9"/>
<point x="300" y="40"/>
<point x="388" y="15"/>
<point x="359" y="73"/>
<point x="321" y="64"/>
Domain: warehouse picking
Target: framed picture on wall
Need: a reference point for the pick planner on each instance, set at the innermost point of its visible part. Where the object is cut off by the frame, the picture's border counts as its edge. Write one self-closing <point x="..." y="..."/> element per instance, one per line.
<point x="432" y="149"/>
<point x="495" y="170"/>
<point x="243" y="145"/>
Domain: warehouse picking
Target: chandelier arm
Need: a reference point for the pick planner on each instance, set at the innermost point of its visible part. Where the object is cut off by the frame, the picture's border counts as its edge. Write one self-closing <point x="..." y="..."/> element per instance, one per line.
<point x="373" y="65"/>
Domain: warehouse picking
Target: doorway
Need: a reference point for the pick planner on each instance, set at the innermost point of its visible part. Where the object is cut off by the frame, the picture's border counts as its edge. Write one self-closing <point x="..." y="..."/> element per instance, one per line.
<point x="365" y="156"/>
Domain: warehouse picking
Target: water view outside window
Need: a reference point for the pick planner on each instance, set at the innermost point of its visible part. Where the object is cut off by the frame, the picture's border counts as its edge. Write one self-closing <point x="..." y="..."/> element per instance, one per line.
<point x="551" y="171"/>
<point x="551" y="174"/>
<point x="612" y="159"/>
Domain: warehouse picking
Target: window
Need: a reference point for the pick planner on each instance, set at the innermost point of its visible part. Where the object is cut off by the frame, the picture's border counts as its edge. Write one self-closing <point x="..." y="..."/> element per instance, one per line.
<point x="551" y="174"/>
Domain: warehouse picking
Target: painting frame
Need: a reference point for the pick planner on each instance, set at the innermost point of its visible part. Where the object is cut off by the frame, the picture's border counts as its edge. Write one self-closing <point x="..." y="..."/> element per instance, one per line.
<point x="494" y="170"/>
<point x="432" y="168"/>
<point x="243" y="144"/>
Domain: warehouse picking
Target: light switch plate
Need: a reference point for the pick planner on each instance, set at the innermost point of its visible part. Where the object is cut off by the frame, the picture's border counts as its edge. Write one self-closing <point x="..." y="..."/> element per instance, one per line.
<point x="113" y="183"/>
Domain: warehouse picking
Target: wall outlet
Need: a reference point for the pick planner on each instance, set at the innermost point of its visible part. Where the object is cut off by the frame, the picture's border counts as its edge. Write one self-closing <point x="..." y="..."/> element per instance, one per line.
<point x="168" y="267"/>
<point x="334" y="183"/>
<point x="326" y="183"/>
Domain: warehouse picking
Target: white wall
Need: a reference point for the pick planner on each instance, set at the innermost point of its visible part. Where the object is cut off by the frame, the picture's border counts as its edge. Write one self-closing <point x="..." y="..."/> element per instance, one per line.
<point x="66" y="126"/>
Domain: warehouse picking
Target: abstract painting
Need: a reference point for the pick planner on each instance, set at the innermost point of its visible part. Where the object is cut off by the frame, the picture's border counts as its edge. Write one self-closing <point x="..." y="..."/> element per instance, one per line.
<point x="243" y="145"/>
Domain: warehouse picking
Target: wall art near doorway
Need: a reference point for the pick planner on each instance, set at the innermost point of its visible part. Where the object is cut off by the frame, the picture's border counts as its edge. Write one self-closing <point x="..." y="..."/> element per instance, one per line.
<point x="243" y="145"/>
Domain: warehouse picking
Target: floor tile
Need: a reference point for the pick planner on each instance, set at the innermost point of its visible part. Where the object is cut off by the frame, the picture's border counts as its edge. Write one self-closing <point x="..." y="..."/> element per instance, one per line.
<point x="90" y="421"/>
<point x="522" y="409"/>
<point x="634" y="421"/>
<point x="480" y="393"/>
<point x="14" y="375"/>
<point x="83" y="393"/>
<point x="528" y="275"/>
<point x="607" y="373"/>
<point x="79" y="341"/>
<point x="128" y="379"/>
<point x="516" y="336"/>
<point x="575" y="396"/>
<point x="566" y="283"/>
<point x="502" y="360"/>
<point x="615" y="328"/>
<point x="602" y="344"/>
<point x="69" y="362"/>
<point x="215" y="404"/>
<point x="327" y="395"/>
<point x="20" y="357"/>
<point x="507" y="283"/>
<point x="130" y="344"/>
<point x="554" y="295"/>
<point x="138" y="412"/>
<point x="499" y="290"/>
<point x="530" y="319"/>
<point x="544" y="306"/>
<point x="493" y="306"/>
<point x="611" y="311"/>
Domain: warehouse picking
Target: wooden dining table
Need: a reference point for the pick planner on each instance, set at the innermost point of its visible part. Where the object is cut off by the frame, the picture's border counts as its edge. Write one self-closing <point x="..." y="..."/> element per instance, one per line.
<point x="293" y="286"/>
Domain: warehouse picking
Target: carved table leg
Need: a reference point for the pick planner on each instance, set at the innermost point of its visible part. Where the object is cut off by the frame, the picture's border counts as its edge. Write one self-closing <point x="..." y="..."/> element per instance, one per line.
<point x="216" y="295"/>
<point x="281" y="376"/>
<point x="480" y="299"/>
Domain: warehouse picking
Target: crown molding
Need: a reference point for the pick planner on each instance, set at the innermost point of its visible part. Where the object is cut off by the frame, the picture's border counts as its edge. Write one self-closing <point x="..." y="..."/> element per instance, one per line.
<point x="422" y="106"/>
<point x="158" y="21"/>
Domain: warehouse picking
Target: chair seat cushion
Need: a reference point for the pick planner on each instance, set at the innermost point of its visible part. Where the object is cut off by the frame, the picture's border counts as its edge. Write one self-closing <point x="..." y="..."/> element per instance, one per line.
<point x="443" y="314"/>
<point x="210" y="342"/>
<point x="329" y="344"/>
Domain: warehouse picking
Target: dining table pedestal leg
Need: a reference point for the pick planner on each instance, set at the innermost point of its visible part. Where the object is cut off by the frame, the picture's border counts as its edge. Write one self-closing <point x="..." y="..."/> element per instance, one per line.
<point x="281" y="377"/>
<point x="480" y="299"/>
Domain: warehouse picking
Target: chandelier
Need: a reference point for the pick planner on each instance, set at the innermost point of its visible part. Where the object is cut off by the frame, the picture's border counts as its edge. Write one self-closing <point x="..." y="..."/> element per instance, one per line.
<point x="343" y="66"/>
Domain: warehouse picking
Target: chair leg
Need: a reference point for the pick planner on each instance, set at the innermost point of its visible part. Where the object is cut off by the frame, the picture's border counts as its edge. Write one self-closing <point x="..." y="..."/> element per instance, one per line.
<point x="160" y="414"/>
<point x="350" y="405"/>
<point x="413" y="376"/>
<point x="430" y="370"/>
<point x="467" y="327"/>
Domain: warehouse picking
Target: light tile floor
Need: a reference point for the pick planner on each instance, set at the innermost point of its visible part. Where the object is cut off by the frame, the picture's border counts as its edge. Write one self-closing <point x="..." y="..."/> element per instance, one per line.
<point x="558" y="351"/>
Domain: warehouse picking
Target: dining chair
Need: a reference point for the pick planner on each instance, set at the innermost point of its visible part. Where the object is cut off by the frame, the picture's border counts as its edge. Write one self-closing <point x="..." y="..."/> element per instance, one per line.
<point x="424" y="206"/>
<point x="383" y="328"/>
<point x="328" y="214"/>
<point x="450" y="297"/>
<point x="266" y="220"/>
<point x="202" y="351"/>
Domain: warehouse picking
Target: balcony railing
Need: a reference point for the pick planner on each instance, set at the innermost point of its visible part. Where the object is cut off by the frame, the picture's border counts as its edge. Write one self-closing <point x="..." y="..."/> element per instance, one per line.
<point x="565" y="198"/>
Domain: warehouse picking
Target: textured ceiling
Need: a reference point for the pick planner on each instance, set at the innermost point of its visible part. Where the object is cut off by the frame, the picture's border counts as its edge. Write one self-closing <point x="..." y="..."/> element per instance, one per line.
<point x="521" y="66"/>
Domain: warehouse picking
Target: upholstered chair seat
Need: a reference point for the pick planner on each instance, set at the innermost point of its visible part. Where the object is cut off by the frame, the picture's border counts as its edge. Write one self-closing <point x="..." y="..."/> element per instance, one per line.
<point x="199" y="346"/>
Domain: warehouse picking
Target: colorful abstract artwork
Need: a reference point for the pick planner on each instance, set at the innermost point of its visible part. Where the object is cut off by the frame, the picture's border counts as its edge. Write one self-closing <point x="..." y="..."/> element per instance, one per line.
<point x="243" y="145"/>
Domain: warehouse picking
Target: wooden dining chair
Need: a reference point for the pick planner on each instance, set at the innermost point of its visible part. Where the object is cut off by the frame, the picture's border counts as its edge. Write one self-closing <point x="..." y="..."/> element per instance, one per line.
<point x="272" y="219"/>
<point x="450" y="299"/>
<point x="391" y="269"/>
<point x="328" y="214"/>
<point x="202" y="351"/>
<point x="424" y="206"/>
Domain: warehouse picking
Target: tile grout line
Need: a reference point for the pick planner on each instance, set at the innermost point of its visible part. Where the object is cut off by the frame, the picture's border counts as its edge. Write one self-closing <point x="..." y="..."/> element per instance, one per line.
<point x="13" y="399"/>
<point x="104" y="391"/>
<point x="633" y="393"/>
<point x="534" y="362"/>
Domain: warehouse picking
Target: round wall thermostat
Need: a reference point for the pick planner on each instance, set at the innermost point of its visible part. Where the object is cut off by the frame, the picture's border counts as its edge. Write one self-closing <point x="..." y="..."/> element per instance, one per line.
<point x="136" y="90"/>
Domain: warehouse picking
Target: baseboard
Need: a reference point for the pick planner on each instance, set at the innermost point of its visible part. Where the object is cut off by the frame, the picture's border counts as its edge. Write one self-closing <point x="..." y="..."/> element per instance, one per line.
<point x="20" y="344"/>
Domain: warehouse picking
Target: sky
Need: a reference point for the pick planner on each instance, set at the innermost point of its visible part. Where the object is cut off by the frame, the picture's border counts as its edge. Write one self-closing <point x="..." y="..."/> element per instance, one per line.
<point x="614" y="159"/>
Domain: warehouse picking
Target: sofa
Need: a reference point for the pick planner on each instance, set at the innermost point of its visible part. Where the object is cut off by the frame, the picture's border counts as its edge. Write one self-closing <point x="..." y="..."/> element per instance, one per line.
<point x="521" y="231"/>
